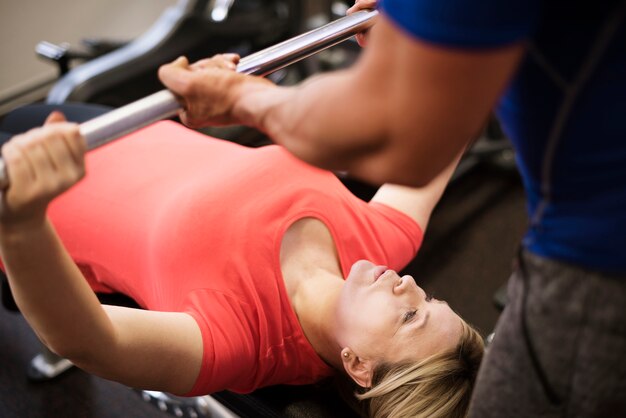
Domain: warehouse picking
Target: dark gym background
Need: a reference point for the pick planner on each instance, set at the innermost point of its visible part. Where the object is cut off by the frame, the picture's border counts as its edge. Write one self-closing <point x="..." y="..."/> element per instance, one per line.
<point x="465" y="258"/>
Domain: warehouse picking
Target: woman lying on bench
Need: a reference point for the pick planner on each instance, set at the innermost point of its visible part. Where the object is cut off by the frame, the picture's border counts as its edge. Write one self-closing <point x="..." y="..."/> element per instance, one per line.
<point x="249" y="263"/>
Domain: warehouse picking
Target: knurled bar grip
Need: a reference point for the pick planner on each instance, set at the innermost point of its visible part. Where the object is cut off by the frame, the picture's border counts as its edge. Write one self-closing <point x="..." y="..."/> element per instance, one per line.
<point x="163" y="104"/>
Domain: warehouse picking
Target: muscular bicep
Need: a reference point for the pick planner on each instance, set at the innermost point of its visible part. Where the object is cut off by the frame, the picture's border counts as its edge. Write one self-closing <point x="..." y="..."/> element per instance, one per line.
<point x="432" y="101"/>
<point x="151" y="350"/>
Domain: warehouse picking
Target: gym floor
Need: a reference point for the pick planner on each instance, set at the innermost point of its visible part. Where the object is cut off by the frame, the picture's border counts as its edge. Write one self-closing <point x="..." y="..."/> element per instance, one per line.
<point x="465" y="258"/>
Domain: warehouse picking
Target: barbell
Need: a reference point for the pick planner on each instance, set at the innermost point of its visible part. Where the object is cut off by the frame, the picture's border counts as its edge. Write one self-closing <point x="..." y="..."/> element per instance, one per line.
<point x="163" y="104"/>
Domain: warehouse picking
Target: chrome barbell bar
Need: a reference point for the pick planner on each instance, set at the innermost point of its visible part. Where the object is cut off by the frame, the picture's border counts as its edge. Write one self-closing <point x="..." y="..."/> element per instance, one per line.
<point x="163" y="104"/>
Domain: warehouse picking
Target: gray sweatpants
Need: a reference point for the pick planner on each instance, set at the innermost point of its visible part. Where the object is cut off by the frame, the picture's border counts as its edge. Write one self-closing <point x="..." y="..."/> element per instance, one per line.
<point x="559" y="348"/>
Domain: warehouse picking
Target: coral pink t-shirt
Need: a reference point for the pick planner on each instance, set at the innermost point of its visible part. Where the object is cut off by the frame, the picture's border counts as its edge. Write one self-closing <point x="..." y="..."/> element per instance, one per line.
<point x="183" y="222"/>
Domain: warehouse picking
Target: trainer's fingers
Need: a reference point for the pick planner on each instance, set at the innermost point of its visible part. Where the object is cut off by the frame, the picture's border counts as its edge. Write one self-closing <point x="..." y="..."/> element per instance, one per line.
<point x="362" y="5"/>
<point x="55" y="117"/>
<point x="234" y="58"/>
<point x="182" y="62"/>
<point x="176" y="75"/>
<point x="222" y="61"/>
<point x="362" y="39"/>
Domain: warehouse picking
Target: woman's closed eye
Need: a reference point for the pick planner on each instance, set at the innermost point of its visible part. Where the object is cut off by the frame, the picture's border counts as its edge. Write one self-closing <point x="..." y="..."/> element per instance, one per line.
<point x="408" y="316"/>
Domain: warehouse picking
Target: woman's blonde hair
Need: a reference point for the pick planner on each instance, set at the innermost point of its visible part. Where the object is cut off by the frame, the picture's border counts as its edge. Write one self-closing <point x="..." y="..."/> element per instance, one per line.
<point x="438" y="386"/>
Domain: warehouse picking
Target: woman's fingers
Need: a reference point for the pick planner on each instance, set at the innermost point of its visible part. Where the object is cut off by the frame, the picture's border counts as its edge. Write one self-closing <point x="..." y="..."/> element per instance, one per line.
<point x="74" y="143"/>
<point x="66" y="152"/>
<point x="54" y="153"/>
<point x="34" y="151"/>
<point x="55" y="117"/>
<point x="19" y="168"/>
<point x="41" y="164"/>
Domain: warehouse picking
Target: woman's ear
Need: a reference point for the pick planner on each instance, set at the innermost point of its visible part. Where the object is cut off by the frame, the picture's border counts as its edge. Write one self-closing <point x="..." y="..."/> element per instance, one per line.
<point x="359" y="370"/>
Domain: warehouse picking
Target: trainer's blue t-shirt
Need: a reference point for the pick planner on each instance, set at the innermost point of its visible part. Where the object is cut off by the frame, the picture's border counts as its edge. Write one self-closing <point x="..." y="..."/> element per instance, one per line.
<point x="565" y="111"/>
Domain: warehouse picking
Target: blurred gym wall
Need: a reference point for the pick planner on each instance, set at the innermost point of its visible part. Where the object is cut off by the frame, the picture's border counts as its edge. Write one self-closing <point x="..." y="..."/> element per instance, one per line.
<point x="24" y="23"/>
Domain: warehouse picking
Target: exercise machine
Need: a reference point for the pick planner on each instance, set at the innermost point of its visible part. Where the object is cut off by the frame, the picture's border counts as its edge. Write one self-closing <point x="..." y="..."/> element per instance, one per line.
<point x="195" y="28"/>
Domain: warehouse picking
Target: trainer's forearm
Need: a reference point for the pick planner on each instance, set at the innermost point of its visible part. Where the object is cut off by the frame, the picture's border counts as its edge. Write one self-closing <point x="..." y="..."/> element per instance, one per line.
<point x="356" y="120"/>
<point x="366" y="120"/>
<point x="401" y="114"/>
<point x="52" y="294"/>
<point x="329" y="120"/>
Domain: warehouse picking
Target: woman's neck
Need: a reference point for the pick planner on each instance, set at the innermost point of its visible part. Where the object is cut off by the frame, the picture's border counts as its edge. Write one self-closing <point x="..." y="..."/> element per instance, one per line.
<point x="313" y="280"/>
<point x="315" y="307"/>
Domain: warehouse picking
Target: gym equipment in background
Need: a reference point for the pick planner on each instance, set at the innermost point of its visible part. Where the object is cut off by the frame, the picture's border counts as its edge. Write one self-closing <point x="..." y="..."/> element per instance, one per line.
<point x="195" y="28"/>
<point x="163" y="104"/>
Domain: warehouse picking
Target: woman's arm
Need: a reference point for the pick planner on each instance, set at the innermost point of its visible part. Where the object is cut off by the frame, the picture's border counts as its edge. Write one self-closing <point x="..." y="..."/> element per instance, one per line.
<point x="144" y="349"/>
<point x="417" y="202"/>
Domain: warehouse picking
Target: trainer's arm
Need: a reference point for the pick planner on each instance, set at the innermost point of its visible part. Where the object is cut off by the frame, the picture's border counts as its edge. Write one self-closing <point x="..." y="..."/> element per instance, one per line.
<point x="399" y="115"/>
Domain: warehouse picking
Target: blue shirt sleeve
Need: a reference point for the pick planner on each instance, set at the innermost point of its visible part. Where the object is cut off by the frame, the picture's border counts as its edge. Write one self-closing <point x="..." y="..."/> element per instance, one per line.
<point x="465" y="23"/>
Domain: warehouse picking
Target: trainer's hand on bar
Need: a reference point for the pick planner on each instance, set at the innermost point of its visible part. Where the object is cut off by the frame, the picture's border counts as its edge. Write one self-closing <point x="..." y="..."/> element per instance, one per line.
<point x="358" y="6"/>
<point x="41" y="163"/>
<point x="207" y="89"/>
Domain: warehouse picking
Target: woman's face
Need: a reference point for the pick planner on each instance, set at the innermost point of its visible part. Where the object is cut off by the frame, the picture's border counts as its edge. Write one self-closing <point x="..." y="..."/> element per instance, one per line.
<point x="384" y="317"/>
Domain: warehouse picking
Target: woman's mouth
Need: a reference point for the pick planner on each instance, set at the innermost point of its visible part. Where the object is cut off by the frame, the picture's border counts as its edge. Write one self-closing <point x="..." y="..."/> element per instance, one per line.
<point x="379" y="271"/>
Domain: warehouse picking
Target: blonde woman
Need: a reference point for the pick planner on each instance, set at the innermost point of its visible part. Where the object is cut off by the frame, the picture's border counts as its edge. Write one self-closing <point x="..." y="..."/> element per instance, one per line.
<point x="252" y="267"/>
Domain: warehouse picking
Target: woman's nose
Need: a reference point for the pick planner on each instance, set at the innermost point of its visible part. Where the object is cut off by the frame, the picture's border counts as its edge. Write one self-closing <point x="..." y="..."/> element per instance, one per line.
<point x="403" y="284"/>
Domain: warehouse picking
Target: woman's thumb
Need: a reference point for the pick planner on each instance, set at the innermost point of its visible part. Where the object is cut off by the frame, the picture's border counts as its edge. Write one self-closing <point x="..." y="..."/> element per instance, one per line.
<point x="55" y="117"/>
